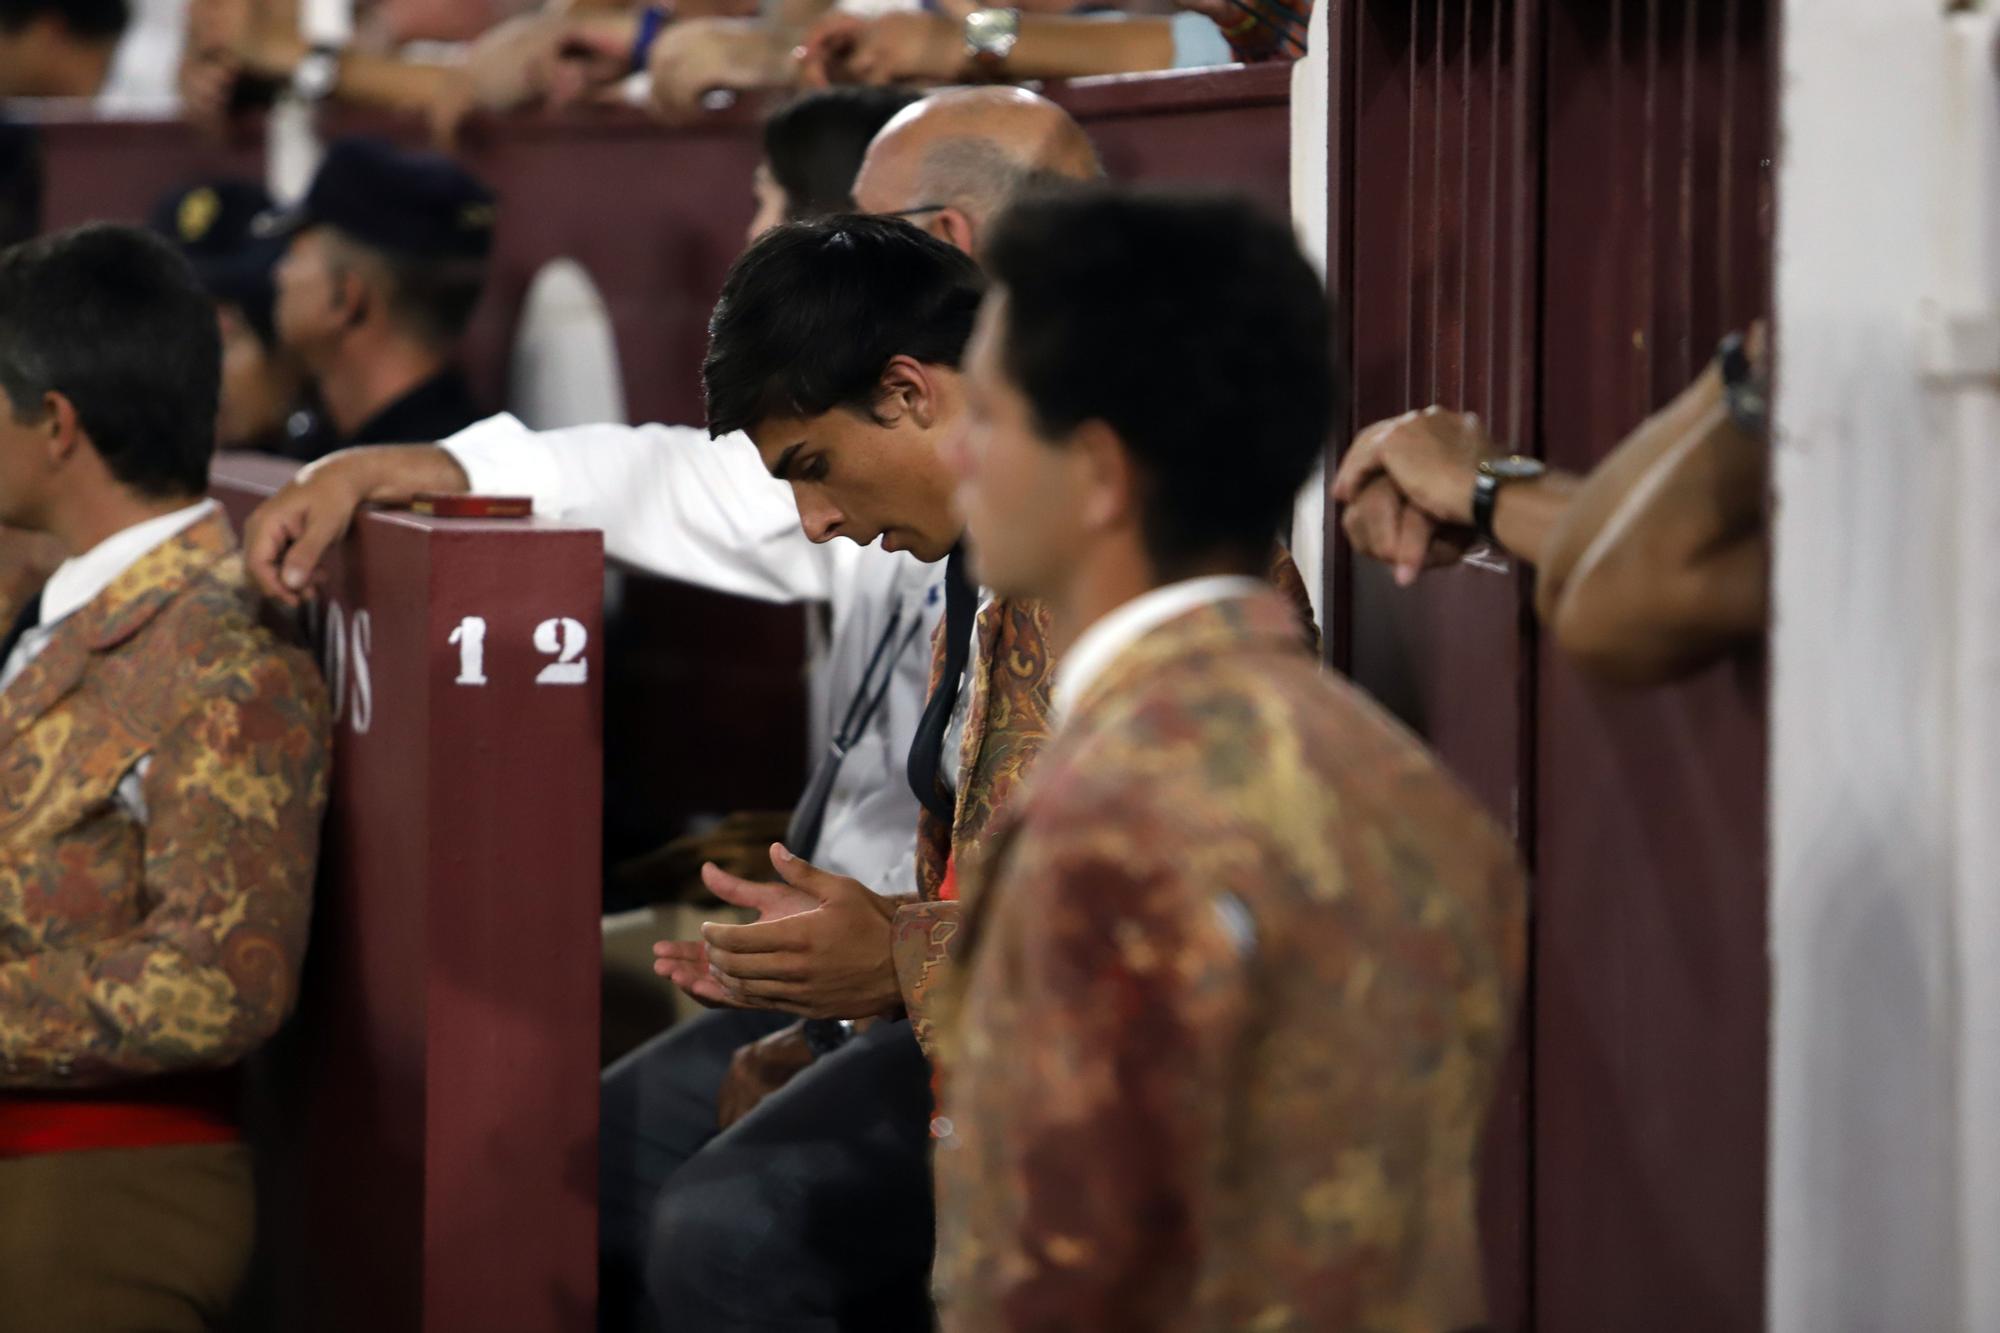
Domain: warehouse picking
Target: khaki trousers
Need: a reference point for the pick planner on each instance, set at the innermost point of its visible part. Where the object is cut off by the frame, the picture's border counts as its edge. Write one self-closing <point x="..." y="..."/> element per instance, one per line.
<point x="124" y="1240"/>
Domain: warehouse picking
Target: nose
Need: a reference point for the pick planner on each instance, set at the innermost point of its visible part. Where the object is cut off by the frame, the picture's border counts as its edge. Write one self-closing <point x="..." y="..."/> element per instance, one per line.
<point x="820" y="520"/>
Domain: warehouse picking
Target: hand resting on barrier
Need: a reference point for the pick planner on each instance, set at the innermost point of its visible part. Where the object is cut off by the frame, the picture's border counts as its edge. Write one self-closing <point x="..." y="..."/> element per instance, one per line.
<point x="820" y="947"/>
<point x="286" y="540"/>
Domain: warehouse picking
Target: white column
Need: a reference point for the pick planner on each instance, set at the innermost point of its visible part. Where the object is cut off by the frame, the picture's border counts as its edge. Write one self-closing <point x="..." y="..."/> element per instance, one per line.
<point x="1311" y="80"/>
<point x="1885" y="761"/>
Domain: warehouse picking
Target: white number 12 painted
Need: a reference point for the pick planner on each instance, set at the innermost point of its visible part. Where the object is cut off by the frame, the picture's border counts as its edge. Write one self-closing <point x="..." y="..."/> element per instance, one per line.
<point x="561" y="638"/>
<point x="564" y="639"/>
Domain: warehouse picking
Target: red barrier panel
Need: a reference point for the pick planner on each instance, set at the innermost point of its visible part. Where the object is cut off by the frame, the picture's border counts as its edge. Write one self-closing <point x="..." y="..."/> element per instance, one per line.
<point x="1547" y="211"/>
<point x="435" y="1153"/>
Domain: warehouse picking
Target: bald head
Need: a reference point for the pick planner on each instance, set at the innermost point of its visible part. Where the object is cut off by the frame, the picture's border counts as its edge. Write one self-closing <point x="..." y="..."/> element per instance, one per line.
<point x="967" y="153"/>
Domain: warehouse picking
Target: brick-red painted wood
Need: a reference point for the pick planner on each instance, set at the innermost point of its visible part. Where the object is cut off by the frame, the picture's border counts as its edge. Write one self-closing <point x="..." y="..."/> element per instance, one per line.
<point x="432" y="1115"/>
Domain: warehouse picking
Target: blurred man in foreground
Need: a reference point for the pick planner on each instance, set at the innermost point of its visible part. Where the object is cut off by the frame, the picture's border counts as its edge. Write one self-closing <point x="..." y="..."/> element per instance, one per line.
<point x="1239" y="959"/>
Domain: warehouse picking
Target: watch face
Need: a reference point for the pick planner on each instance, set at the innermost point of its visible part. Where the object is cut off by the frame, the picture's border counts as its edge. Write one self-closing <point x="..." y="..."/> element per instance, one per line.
<point x="1515" y="468"/>
<point x="992" y="31"/>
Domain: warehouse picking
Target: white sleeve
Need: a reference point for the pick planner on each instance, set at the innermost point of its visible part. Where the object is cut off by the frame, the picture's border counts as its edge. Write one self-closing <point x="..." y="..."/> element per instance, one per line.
<point x="670" y="500"/>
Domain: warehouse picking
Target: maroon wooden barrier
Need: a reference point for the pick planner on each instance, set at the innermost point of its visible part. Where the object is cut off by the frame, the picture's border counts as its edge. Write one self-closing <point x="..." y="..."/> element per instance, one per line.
<point x="1653" y="995"/>
<point x="1547" y="211"/>
<point x="436" y="1105"/>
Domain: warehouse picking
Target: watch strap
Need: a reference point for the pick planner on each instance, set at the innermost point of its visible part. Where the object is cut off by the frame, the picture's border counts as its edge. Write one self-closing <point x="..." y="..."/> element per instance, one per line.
<point x="652" y="22"/>
<point x="1743" y="390"/>
<point x="1485" y="493"/>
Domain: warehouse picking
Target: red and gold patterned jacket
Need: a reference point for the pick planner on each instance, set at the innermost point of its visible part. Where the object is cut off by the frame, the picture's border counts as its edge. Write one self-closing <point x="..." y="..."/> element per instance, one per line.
<point x="1237" y="972"/>
<point x="1007" y="724"/>
<point x="129" y="950"/>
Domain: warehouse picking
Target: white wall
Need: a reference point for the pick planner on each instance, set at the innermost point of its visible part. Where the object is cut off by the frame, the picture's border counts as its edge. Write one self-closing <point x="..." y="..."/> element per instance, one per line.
<point x="1885" y="895"/>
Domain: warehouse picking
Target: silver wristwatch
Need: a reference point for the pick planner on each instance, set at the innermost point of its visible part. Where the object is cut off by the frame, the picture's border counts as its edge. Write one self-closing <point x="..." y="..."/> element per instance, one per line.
<point x="990" y="34"/>
<point x="317" y="75"/>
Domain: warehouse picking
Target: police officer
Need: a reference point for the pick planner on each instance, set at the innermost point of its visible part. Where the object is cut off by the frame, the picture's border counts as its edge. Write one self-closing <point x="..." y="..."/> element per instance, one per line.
<point x="387" y="258"/>
<point x="265" y="390"/>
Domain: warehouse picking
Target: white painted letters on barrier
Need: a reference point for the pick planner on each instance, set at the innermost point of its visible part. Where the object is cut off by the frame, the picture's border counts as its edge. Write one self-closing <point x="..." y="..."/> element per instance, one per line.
<point x="344" y="645"/>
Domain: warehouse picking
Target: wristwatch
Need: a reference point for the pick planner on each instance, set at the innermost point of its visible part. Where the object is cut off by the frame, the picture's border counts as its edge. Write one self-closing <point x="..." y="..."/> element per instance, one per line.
<point x="824" y="1036"/>
<point x="1493" y="474"/>
<point x="317" y="75"/>
<point x="1744" y="392"/>
<point x="990" y="35"/>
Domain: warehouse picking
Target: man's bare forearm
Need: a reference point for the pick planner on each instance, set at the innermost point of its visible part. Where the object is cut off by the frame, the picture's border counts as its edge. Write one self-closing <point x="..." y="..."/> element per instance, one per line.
<point x="393" y="473"/>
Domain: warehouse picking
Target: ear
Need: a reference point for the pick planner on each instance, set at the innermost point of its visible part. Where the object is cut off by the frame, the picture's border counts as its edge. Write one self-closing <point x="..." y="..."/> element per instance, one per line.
<point x="62" y="431"/>
<point x="351" y="296"/>
<point x="1109" y="483"/>
<point x="955" y="229"/>
<point x="908" y="389"/>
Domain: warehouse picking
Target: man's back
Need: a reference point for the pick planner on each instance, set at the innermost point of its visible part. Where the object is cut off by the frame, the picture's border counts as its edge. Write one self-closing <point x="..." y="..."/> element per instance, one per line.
<point x="1240" y="976"/>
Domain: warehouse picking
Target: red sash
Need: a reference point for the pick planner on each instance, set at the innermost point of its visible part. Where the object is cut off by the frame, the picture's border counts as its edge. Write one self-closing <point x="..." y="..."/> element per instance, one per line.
<point x="156" y="1114"/>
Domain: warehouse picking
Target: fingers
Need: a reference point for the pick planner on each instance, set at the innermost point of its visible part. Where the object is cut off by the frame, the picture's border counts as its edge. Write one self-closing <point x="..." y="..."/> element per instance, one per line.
<point x="692" y="952"/>
<point x="769" y="901"/>
<point x="788" y="965"/>
<point x="1371" y="520"/>
<point x="267" y="537"/>
<point x="698" y="986"/>
<point x="804" y="875"/>
<point x="1413" y="542"/>
<point x="789" y="996"/>
<point x="763" y="937"/>
<point x="1363" y="459"/>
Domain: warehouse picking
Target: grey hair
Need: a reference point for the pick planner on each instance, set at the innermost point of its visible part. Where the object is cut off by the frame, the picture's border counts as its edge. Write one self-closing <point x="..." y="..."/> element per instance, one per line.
<point x="979" y="177"/>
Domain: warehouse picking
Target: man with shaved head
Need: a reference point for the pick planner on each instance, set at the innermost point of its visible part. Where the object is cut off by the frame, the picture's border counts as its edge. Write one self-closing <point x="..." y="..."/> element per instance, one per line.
<point x="814" y="1213"/>
<point x="950" y="162"/>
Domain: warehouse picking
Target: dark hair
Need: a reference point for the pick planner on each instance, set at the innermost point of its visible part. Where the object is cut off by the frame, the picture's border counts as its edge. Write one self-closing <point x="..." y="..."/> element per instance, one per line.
<point x="432" y="296"/>
<point x="113" y="319"/>
<point x="814" y="145"/>
<point x="811" y="315"/>
<point x="1196" y="330"/>
<point x="91" y="20"/>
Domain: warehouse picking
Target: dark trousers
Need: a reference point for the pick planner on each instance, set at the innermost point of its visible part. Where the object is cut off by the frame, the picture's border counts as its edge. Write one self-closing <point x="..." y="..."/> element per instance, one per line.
<point x="812" y="1214"/>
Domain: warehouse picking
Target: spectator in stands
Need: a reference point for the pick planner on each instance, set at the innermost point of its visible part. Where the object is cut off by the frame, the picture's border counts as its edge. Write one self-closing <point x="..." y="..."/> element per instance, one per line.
<point x="264" y="385"/>
<point x="58" y="48"/>
<point x="926" y="46"/>
<point x="387" y="260"/>
<point x="159" y="827"/>
<point x="1161" y="1069"/>
<point x="813" y="147"/>
<point x="1649" y="568"/>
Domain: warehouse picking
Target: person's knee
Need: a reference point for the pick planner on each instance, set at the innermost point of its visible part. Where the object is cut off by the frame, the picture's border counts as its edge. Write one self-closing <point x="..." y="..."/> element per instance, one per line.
<point x="721" y="1237"/>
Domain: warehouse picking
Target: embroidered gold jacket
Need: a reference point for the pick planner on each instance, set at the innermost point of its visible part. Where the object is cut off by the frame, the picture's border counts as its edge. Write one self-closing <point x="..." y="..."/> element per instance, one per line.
<point x="1007" y="724"/>
<point x="128" y="949"/>
<point x="1236" y="974"/>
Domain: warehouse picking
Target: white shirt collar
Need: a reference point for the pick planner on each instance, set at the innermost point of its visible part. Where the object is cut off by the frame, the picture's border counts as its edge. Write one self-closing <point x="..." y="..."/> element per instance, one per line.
<point x="78" y="580"/>
<point x="1102" y="644"/>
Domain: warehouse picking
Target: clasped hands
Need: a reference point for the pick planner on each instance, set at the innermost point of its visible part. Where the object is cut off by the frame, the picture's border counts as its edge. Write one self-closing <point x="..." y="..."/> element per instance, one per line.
<point x="819" y="948"/>
<point x="1407" y="486"/>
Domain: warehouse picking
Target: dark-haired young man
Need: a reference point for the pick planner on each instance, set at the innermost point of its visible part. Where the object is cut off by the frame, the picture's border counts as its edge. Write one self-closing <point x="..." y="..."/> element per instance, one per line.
<point x="162" y="775"/>
<point x="1239" y="963"/>
<point x="58" y="48"/>
<point x="388" y="258"/>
